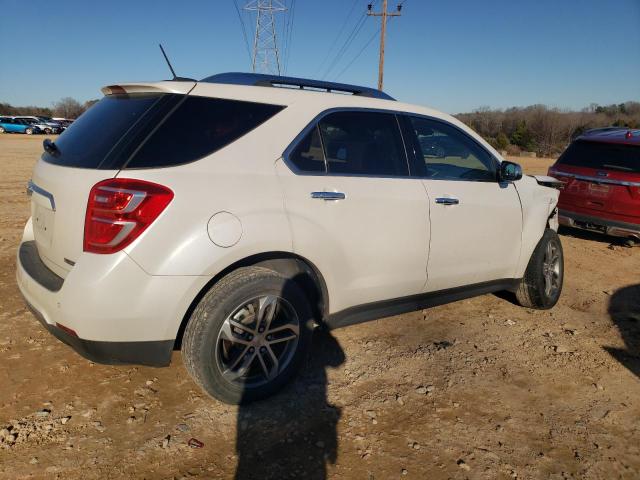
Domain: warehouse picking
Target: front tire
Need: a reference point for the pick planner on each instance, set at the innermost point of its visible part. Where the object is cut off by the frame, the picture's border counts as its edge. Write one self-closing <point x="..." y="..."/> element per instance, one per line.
<point x="1" y="129"/>
<point x="541" y="285"/>
<point x="28" y="131"/>
<point x="248" y="335"/>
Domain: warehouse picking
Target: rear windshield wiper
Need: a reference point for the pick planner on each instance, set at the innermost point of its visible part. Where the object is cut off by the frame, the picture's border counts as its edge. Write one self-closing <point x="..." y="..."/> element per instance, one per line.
<point x="51" y="148"/>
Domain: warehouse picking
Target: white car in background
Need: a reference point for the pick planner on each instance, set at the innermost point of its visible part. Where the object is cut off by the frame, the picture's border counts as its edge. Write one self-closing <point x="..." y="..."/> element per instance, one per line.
<point x="227" y="216"/>
<point x="44" y="126"/>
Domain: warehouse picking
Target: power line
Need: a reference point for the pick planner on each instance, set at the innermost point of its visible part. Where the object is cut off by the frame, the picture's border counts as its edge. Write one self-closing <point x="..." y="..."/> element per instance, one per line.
<point x="335" y="40"/>
<point x="244" y="30"/>
<point x="345" y="46"/>
<point x="292" y="16"/>
<point x="375" y="34"/>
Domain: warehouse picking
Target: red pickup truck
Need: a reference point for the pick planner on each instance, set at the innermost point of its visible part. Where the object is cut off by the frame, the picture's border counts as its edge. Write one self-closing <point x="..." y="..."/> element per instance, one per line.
<point x="601" y="173"/>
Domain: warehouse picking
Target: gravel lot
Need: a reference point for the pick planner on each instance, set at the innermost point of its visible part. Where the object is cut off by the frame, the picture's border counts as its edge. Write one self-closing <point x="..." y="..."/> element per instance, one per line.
<point x="477" y="389"/>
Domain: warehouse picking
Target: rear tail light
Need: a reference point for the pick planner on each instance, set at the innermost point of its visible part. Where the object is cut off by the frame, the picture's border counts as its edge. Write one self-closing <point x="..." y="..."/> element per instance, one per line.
<point x="119" y="210"/>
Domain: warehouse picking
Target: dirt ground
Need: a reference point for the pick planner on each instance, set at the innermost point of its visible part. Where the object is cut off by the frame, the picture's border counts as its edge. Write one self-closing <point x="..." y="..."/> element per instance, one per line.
<point x="476" y="389"/>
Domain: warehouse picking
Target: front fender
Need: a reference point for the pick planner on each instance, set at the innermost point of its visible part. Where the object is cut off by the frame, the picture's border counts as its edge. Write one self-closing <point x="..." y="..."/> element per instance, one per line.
<point x="538" y="207"/>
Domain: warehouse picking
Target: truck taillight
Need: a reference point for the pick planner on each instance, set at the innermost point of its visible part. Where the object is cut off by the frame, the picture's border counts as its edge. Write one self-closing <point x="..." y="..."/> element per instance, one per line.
<point x="119" y="210"/>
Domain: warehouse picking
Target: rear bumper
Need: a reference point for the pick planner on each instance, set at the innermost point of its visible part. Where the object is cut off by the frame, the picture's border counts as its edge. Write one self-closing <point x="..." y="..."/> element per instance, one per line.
<point x="598" y="224"/>
<point x="153" y="353"/>
<point x="110" y="310"/>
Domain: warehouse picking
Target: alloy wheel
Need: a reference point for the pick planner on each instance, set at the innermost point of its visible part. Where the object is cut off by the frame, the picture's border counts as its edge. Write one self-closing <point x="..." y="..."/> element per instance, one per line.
<point x="551" y="270"/>
<point x="257" y="341"/>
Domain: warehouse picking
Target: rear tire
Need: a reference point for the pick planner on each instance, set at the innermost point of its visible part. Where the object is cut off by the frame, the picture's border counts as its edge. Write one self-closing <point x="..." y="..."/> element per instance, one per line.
<point x="1" y="129"/>
<point x="28" y="131"/>
<point x="541" y="284"/>
<point x="248" y="336"/>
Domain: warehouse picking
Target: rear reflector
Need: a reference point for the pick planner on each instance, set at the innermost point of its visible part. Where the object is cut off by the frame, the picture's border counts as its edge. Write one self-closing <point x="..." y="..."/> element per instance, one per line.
<point x="66" y="329"/>
<point x="119" y="210"/>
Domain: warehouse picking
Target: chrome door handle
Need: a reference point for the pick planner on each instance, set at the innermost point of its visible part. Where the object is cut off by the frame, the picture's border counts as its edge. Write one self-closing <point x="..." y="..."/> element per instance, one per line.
<point x="328" y="195"/>
<point x="447" y="201"/>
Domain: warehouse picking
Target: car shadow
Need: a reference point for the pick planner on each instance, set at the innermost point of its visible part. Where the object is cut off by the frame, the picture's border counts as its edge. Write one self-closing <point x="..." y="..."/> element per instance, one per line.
<point x="294" y="433"/>
<point x="624" y="310"/>
<point x="591" y="236"/>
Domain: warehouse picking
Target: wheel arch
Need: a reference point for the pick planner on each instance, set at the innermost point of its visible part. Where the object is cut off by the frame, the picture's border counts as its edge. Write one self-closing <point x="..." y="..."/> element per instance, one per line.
<point x="303" y="271"/>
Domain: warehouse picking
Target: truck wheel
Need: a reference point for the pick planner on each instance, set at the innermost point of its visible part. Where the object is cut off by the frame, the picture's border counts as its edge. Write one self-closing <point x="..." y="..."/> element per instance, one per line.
<point x="542" y="282"/>
<point x="248" y="335"/>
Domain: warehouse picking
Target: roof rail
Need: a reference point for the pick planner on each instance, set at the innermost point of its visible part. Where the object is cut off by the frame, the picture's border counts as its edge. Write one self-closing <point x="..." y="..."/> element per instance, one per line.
<point x="262" y="80"/>
<point x="593" y="131"/>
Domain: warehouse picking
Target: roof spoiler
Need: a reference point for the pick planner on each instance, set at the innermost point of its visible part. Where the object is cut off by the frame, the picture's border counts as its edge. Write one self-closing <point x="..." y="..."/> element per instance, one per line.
<point x="181" y="86"/>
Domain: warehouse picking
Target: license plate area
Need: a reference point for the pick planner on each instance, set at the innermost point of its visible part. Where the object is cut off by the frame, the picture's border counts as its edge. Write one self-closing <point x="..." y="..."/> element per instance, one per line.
<point x="590" y="226"/>
<point x="43" y="221"/>
<point x="599" y="189"/>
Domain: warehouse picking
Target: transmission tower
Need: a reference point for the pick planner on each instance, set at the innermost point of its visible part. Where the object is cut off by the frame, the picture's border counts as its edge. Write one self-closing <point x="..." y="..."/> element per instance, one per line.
<point x="266" y="56"/>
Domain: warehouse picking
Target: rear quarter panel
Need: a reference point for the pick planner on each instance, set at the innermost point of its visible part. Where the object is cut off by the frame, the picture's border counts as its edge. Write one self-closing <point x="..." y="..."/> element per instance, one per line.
<point x="239" y="179"/>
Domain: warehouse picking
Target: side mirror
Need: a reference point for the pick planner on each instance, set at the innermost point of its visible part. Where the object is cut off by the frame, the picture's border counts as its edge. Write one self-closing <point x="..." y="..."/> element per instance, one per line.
<point x="510" y="171"/>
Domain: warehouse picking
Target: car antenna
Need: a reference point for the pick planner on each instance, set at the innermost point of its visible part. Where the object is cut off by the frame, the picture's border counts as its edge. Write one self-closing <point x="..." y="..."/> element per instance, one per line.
<point x="175" y="77"/>
<point x="168" y="62"/>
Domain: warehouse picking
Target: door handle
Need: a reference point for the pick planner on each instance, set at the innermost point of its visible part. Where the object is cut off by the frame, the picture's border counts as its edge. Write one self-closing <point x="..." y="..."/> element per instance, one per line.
<point x="447" y="201"/>
<point x="328" y="195"/>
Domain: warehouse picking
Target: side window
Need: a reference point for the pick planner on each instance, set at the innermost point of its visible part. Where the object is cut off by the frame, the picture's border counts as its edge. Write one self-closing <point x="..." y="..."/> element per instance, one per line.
<point x="365" y="143"/>
<point x="198" y="127"/>
<point x="308" y="155"/>
<point x="449" y="154"/>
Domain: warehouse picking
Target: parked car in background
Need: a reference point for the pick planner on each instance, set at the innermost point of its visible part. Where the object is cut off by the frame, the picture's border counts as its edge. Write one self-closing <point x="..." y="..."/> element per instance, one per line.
<point x="39" y="125"/>
<point x="236" y="214"/>
<point x="601" y="173"/>
<point x="65" y="122"/>
<point x="47" y="126"/>
<point x="14" y="125"/>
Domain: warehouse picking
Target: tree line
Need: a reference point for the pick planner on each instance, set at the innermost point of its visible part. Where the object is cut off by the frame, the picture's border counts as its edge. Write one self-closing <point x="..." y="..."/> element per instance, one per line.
<point x="66" y="107"/>
<point x="545" y="130"/>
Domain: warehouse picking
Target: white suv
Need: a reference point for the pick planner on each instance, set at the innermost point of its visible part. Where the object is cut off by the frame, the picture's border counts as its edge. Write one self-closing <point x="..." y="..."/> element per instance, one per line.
<point x="228" y="216"/>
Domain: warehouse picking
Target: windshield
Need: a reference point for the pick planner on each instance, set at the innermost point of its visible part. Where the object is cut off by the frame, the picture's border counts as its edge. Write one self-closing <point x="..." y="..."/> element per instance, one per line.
<point x="602" y="156"/>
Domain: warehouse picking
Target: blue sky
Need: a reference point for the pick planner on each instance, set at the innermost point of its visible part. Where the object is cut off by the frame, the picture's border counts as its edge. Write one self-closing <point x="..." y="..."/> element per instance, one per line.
<point x="451" y="55"/>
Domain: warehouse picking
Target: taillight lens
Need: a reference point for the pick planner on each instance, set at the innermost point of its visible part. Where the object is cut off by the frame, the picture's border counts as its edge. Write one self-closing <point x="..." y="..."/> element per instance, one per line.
<point x="119" y="210"/>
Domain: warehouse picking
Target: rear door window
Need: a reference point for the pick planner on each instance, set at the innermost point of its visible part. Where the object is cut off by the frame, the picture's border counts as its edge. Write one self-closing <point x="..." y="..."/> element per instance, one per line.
<point x="363" y="143"/>
<point x="602" y="156"/>
<point x="307" y="156"/>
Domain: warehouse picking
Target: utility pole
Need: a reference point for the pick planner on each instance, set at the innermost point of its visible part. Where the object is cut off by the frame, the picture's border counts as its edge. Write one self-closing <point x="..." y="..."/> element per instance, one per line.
<point x="266" y="56"/>
<point x="383" y="32"/>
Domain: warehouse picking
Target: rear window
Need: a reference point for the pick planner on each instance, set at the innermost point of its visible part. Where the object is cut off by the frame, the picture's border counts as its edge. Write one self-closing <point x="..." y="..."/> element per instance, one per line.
<point x="91" y="140"/>
<point x="155" y="130"/>
<point x="602" y="156"/>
